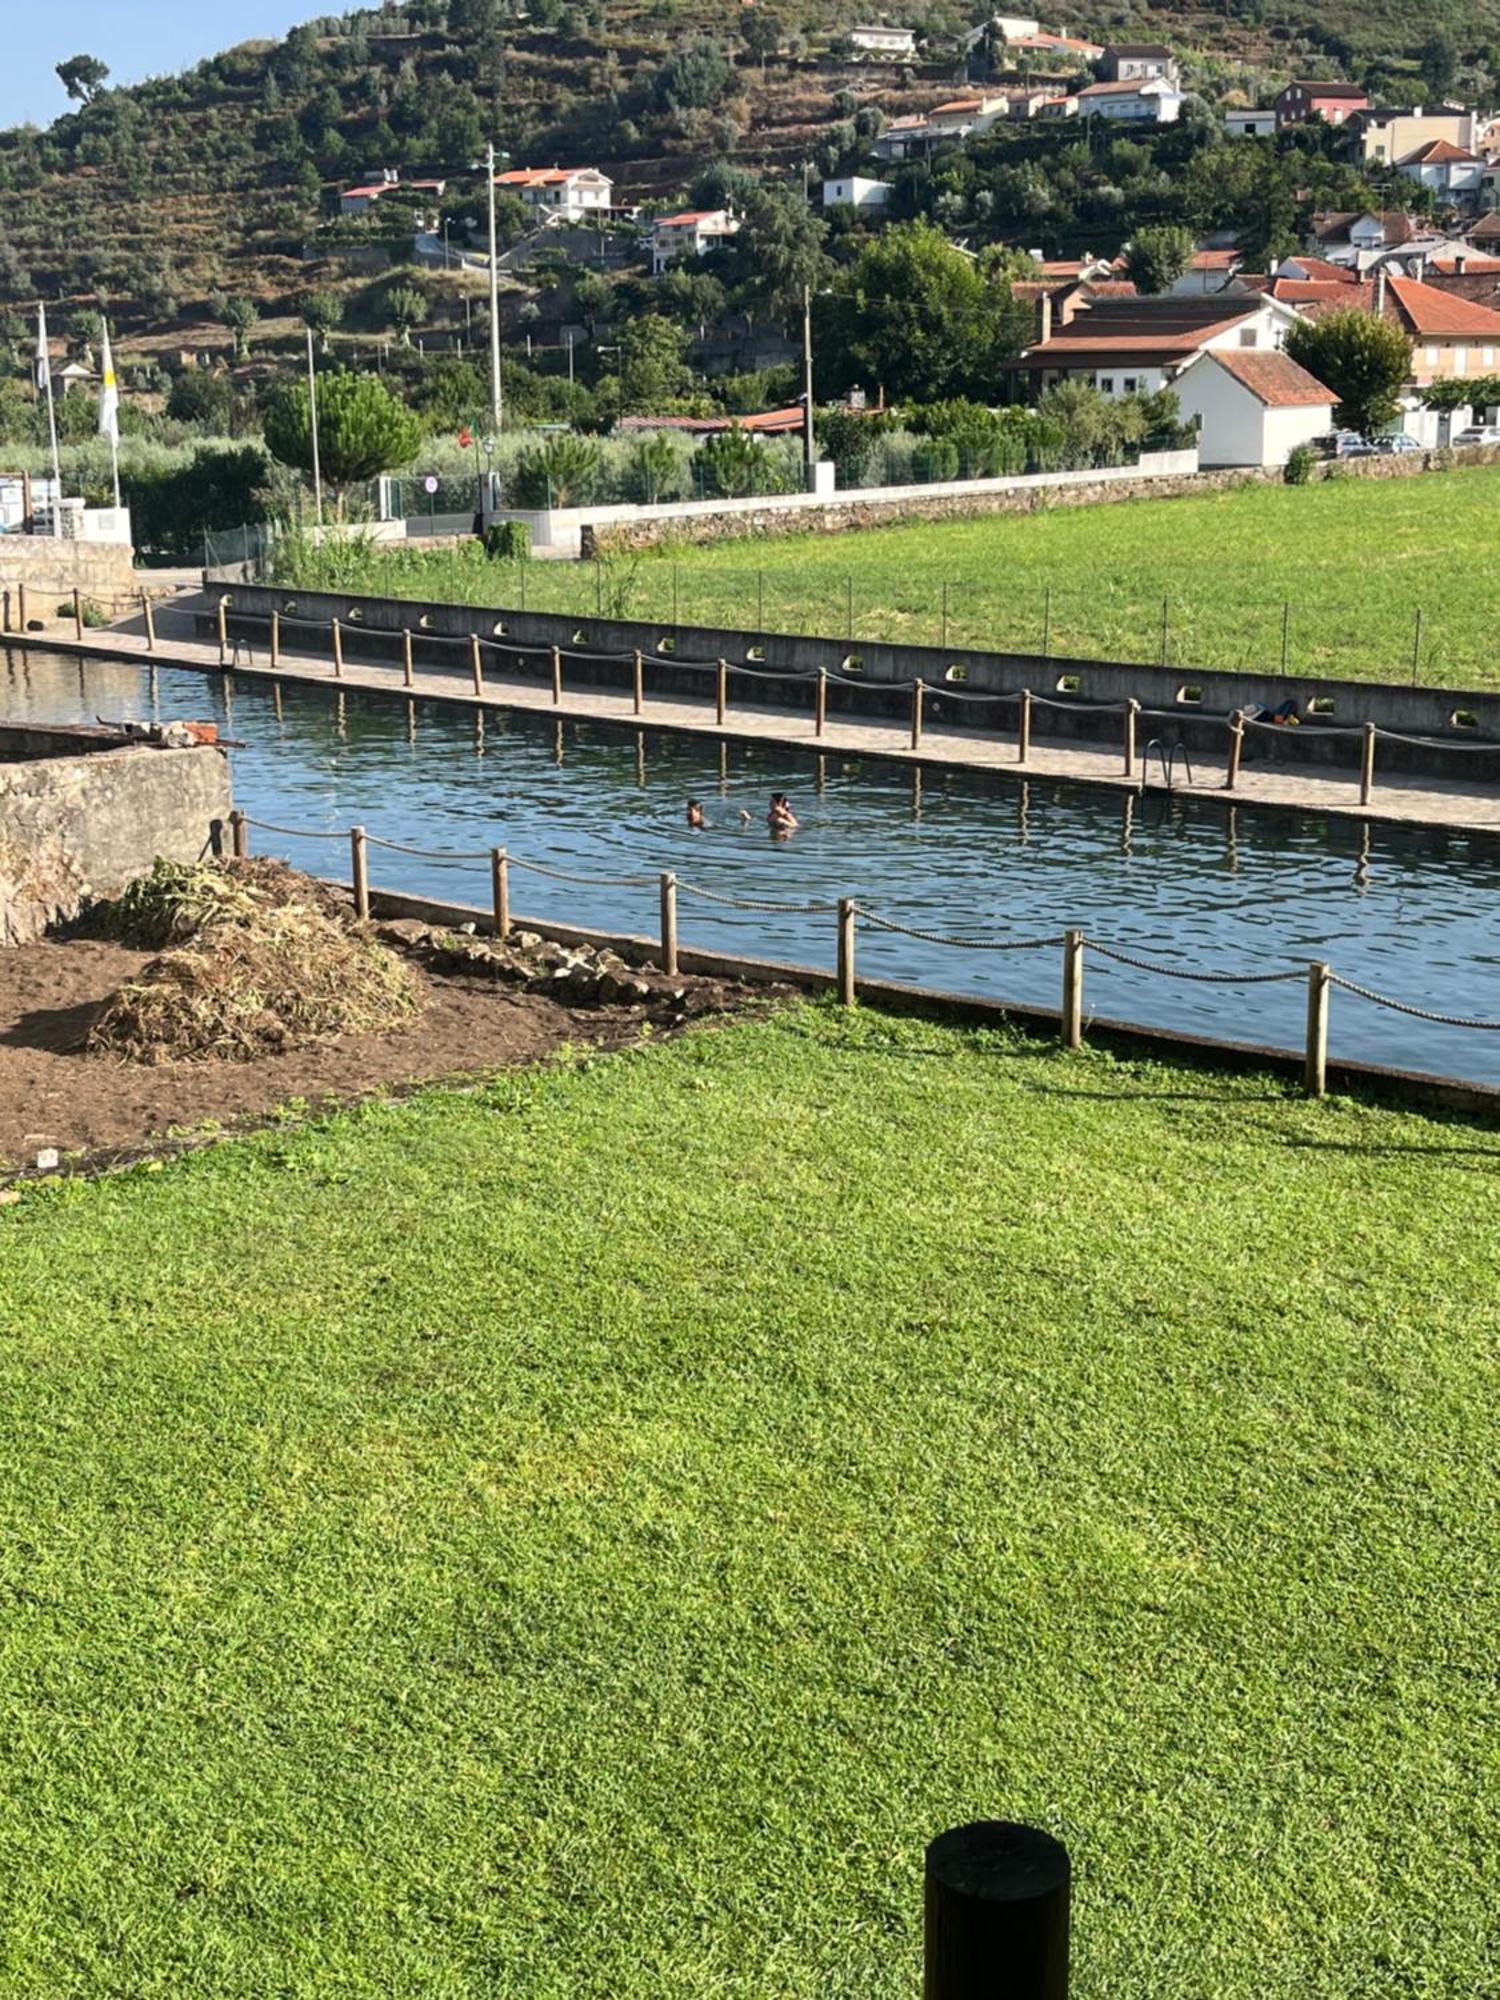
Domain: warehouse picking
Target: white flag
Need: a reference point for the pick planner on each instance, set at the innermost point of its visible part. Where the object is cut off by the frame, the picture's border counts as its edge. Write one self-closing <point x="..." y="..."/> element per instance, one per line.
<point x="43" y="369"/>
<point x="109" y="393"/>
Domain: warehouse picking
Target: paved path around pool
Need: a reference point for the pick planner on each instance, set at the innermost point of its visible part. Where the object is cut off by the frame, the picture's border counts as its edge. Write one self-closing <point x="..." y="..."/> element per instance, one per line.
<point x="1412" y="801"/>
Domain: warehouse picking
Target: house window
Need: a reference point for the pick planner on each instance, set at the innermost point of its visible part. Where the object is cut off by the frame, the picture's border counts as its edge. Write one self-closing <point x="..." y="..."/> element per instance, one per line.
<point x="1489" y="357"/>
<point x="1130" y="385"/>
<point x="1460" y="360"/>
<point x="1107" y="384"/>
<point x="1248" y="336"/>
<point x="1432" y="356"/>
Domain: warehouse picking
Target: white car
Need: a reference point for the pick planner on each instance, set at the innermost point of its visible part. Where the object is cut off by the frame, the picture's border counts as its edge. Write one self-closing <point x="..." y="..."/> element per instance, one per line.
<point x="1479" y="434"/>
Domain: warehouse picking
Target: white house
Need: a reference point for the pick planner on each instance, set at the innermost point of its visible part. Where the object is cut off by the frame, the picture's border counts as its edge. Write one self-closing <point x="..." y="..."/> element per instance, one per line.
<point x="902" y="138"/>
<point x="565" y="194"/>
<point x="1135" y="346"/>
<point x="1210" y="271"/>
<point x="897" y="44"/>
<point x="1135" y="62"/>
<point x="1153" y="101"/>
<point x="959" y="116"/>
<point x="1445" y="168"/>
<point x="854" y="191"/>
<point x="692" y="234"/>
<point x="1251" y="406"/>
<point x="360" y="200"/>
<point x="1256" y="124"/>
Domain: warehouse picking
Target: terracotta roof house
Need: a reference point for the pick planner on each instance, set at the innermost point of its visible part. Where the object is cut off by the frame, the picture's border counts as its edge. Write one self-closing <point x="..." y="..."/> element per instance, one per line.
<point x="766" y="423"/>
<point x="1332" y="102"/>
<point x="1134" y="346"/>
<point x="693" y="233"/>
<point x="1209" y="271"/>
<point x="1152" y="101"/>
<point x="567" y="193"/>
<point x="1251" y="406"/>
<point x="1444" y="168"/>
<point x="1134" y="62"/>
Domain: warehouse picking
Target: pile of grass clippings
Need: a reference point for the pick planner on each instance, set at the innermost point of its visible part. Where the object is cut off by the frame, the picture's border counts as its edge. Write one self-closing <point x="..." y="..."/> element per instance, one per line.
<point x="257" y="960"/>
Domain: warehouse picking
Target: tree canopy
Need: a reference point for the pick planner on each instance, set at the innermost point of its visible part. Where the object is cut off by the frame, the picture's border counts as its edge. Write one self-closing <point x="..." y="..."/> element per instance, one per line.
<point x="1364" y="360"/>
<point x="363" y="429"/>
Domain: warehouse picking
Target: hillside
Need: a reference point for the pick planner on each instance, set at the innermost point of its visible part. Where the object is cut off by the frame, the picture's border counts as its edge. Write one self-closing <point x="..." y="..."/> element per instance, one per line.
<point x="156" y="194"/>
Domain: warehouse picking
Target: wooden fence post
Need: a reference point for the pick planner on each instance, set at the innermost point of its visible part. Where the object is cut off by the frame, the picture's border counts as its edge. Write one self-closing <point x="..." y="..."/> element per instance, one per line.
<point x="216" y="831"/>
<point x="148" y="614"/>
<point x="223" y="632"/>
<point x="77" y="612"/>
<point x="338" y="650"/>
<point x="1367" y="765"/>
<point x="275" y="638"/>
<point x="639" y="688"/>
<point x="408" y="675"/>
<point x="821" y="712"/>
<point x="1132" y="710"/>
<point x="359" y="871"/>
<point x="1024" y="732"/>
<point x="1236" y="748"/>
<point x="848" y="910"/>
<point x="556" y="675"/>
<point x="997" y="1914"/>
<point x="669" y="924"/>
<point x="21" y="605"/>
<point x="7" y="609"/>
<point x="1315" y="1063"/>
<point x="916" y="714"/>
<point x="476" y="661"/>
<point x="722" y="701"/>
<point x="1072" y="996"/>
<point x="239" y="835"/>
<point x="500" y="890"/>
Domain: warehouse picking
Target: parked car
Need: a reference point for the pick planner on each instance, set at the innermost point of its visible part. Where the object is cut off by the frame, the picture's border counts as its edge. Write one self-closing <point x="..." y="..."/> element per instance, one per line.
<point x="1393" y="447"/>
<point x="1343" y="444"/>
<point x="1479" y="434"/>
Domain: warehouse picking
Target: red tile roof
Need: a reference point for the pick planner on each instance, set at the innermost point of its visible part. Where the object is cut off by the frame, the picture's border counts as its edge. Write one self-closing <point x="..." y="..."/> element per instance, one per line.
<point x="1438" y="152"/>
<point x="1214" y="260"/>
<point x="1429" y="313"/>
<point x="1319" y="268"/>
<point x="1271" y="377"/>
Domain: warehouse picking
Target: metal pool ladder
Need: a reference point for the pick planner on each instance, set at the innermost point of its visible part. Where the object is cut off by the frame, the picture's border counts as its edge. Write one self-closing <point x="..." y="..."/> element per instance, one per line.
<point x="1167" y="758"/>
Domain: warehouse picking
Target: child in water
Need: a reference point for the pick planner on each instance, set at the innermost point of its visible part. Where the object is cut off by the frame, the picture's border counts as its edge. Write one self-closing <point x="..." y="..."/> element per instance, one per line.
<point x="781" y="819"/>
<point x="695" y="817"/>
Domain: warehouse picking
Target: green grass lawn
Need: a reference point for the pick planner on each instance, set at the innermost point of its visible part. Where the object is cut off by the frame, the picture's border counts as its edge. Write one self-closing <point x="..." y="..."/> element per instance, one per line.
<point x="582" y="1537"/>
<point x="1344" y="566"/>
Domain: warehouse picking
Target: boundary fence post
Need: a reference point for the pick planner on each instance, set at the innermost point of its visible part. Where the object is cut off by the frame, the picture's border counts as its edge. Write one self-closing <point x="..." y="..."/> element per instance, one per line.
<point x="1315" y="1063"/>
<point x="359" y="871"/>
<point x="500" y="890"/>
<point x="847" y="913"/>
<point x="1072" y="993"/>
<point x="1367" y="765"/>
<point x="669" y="923"/>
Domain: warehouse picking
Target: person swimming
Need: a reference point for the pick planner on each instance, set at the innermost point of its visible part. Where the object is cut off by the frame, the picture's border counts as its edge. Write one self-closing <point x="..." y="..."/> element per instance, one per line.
<point x="695" y="817"/>
<point x="781" y="819"/>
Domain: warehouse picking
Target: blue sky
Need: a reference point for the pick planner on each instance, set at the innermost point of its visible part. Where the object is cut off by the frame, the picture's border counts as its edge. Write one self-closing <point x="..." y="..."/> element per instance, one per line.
<point x="135" y="37"/>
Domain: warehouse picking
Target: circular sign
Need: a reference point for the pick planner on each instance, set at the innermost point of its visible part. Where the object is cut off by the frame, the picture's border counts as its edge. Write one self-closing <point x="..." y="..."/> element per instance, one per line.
<point x="430" y="484"/>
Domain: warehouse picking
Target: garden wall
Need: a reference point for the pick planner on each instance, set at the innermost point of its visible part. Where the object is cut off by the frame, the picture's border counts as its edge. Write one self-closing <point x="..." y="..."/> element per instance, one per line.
<point x="51" y="568"/>
<point x="81" y="823"/>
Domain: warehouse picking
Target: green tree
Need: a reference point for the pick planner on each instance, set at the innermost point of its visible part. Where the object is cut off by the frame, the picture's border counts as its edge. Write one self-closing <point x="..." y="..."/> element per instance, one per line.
<point x="1156" y="258"/>
<point x="560" y="473"/>
<point x="913" y="315"/>
<point x="778" y="251"/>
<point x="363" y="429"/>
<point x="323" y="312"/>
<point x="654" y="470"/>
<point x="240" y="315"/>
<point x="653" y="368"/>
<point x="695" y="78"/>
<point x="1362" y="359"/>
<point x="1439" y="59"/>
<point x="405" y="307"/>
<point x="735" y="463"/>
<point x="83" y="77"/>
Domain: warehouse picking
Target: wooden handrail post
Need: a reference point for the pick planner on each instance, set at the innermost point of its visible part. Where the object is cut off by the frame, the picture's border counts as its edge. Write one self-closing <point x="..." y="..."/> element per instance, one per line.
<point x="556" y="675"/>
<point x="1072" y="993"/>
<point x="408" y="674"/>
<point x="7" y="608"/>
<point x="500" y="890"/>
<point x="21" y="606"/>
<point x="997" y="1914"/>
<point x="1367" y="765"/>
<point x="216" y="831"/>
<point x="223" y="632"/>
<point x="917" y="690"/>
<point x="1315" y="1063"/>
<point x="1236" y="748"/>
<point x="669" y="923"/>
<point x="848" y="910"/>
<point x="148" y="613"/>
<point x="821" y="714"/>
<point x="77" y="612"/>
<point x="1024" y="728"/>
<point x="359" y="871"/>
<point x="239" y="835"/>
<point x="476" y="661"/>
<point x="1132" y="710"/>
<point x="723" y="692"/>
<point x="275" y="638"/>
<point x="338" y="650"/>
<point x="639" y="688"/>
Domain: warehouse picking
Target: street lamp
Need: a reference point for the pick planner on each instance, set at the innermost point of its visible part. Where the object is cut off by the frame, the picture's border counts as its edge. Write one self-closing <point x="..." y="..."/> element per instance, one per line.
<point x="496" y="393"/>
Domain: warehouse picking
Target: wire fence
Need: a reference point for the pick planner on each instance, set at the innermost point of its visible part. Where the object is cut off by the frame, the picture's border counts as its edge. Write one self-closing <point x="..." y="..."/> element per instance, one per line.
<point x="1076" y="944"/>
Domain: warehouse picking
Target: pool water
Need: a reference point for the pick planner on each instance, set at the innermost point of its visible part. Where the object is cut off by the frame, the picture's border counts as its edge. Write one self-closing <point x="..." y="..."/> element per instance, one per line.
<point x="1194" y="884"/>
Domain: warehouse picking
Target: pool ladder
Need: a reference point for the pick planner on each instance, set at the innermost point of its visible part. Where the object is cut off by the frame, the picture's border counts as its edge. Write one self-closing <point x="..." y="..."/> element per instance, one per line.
<point x="1167" y="757"/>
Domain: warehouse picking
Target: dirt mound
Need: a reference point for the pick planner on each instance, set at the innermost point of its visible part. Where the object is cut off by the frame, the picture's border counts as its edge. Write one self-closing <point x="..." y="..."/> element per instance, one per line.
<point x="258" y="960"/>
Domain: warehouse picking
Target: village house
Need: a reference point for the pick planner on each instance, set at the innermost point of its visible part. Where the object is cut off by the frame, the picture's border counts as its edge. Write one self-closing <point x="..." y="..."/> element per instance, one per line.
<point x="1334" y="103"/>
<point x="1135" y="346"/>
<point x="563" y="194"/>
<point x="961" y="116"/>
<point x="1210" y="271"/>
<point x="1137" y="62"/>
<point x="895" y="44"/>
<point x="1383" y="137"/>
<point x="855" y="191"/>
<point x="1251" y="406"/>
<point x="1153" y="101"/>
<point x="1346" y="238"/>
<point x="693" y="233"/>
<point x="902" y="139"/>
<point x="1444" y="168"/>
<point x="360" y="200"/>
<point x="1068" y="51"/>
<point x="1253" y="124"/>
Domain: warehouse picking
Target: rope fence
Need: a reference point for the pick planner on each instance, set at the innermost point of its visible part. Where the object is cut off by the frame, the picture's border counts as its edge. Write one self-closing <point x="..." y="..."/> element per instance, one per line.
<point x="233" y="838"/>
<point x="924" y="698"/>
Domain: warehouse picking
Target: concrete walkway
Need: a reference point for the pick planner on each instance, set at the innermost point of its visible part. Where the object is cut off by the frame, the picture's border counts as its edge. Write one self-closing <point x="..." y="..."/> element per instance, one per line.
<point x="1410" y="801"/>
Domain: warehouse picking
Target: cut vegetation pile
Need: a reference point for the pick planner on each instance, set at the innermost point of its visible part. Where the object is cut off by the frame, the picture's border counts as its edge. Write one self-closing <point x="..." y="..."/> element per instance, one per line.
<point x="254" y="960"/>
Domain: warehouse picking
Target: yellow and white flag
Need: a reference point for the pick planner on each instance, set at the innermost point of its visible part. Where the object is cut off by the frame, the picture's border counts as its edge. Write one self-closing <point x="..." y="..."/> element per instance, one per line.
<point x="109" y="393"/>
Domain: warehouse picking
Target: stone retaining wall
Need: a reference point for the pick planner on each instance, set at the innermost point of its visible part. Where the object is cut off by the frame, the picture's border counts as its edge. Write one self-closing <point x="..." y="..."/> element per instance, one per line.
<point x="77" y="827"/>
<point x="51" y="569"/>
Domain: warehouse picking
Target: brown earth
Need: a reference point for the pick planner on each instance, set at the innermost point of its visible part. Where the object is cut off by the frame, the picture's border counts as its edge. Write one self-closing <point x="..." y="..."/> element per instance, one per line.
<point x="53" y="1094"/>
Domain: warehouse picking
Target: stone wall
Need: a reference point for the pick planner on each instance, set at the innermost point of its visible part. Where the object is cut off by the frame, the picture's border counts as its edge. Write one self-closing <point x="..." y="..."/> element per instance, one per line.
<point x="51" y="568"/>
<point x="77" y="827"/>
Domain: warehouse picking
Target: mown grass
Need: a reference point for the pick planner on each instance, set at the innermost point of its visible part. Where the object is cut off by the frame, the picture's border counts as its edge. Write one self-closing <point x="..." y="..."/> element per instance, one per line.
<point x="1339" y="570"/>
<point x="582" y="1537"/>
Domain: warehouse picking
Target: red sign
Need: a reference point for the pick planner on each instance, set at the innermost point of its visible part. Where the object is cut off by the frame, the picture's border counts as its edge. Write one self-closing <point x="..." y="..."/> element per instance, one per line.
<point x="465" y="437"/>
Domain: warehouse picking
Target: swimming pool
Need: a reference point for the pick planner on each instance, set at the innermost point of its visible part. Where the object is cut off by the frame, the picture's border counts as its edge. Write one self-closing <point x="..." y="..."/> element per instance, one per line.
<point x="1192" y="883"/>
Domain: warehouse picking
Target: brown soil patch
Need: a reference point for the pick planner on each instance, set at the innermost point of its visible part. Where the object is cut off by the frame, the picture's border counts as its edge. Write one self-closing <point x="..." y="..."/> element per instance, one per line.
<point x="53" y="1093"/>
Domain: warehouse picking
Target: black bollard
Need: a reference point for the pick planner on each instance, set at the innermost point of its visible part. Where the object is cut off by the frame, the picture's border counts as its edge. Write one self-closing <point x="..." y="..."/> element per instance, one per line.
<point x="997" y="1914"/>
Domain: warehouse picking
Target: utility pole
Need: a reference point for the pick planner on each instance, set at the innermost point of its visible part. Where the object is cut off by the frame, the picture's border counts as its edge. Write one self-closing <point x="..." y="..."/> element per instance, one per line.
<point x="312" y="414"/>
<point x="807" y="383"/>
<point x="496" y="393"/>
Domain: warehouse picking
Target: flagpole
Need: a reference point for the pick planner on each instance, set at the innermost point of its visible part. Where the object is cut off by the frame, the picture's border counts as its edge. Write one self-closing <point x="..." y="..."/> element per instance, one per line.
<point x="109" y="400"/>
<point x="312" y="417"/>
<point x="45" y="366"/>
